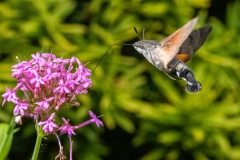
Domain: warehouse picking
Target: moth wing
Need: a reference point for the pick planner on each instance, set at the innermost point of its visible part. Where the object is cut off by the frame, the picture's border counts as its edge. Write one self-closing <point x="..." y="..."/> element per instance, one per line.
<point x="169" y="47"/>
<point x="184" y="57"/>
<point x="193" y="42"/>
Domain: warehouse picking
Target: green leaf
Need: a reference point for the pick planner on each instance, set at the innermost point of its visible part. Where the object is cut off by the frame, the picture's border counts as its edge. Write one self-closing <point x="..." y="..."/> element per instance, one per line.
<point x="6" y="137"/>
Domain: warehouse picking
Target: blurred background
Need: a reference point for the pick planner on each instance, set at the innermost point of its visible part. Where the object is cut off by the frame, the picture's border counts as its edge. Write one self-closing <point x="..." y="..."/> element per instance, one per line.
<point x="147" y="115"/>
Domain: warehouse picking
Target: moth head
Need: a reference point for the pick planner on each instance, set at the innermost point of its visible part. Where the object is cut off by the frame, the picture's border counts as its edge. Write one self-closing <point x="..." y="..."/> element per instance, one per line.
<point x="144" y="45"/>
<point x="140" y="47"/>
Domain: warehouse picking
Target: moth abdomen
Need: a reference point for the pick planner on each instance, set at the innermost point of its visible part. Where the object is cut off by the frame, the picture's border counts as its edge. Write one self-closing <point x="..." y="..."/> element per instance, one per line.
<point x="193" y="88"/>
<point x="192" y="85"/>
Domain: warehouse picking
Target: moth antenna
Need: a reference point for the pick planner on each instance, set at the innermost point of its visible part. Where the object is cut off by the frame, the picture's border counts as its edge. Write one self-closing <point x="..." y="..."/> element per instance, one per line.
<point x="143" y="34"/>
<point x="106" y="53"/>
<point x="137" y="33"/>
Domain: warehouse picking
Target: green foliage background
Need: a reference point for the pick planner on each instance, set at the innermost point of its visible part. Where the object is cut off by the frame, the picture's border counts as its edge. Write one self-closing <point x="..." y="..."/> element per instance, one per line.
<point x="146" y="114"/>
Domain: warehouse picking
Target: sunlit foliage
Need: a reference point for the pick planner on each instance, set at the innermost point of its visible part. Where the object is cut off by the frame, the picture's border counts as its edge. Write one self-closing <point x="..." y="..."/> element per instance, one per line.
<point x="136" y="99"/>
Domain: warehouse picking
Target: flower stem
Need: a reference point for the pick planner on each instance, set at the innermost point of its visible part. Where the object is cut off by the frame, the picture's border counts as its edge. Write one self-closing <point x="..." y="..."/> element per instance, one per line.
<point x="38" y="143"/>
<point x="71" y="145"/>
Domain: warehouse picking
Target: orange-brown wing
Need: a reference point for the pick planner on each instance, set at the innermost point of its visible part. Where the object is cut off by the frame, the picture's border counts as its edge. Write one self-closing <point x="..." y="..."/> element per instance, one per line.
<point x="169" y="47"/>
<point x="194" y="41"/>
<point x="184" y="57"/>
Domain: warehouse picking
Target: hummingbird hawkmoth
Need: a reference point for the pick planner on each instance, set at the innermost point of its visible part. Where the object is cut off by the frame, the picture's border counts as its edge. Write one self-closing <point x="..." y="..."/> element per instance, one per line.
<point x="170" y="54"/>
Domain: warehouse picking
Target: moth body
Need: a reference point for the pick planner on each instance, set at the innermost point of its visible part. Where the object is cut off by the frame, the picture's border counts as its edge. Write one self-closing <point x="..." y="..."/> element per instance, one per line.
<point x="147" y="49"/>
<point x="170" y="54"/>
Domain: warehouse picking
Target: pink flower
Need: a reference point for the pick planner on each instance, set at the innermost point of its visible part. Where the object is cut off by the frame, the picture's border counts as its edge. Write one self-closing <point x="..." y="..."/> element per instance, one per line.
<point x="20" y="108"/>
<point x="48" y="125"/>
<point x="67" y="128"/>
<point x="10" y="95"/>
<point x="95" y="119"/>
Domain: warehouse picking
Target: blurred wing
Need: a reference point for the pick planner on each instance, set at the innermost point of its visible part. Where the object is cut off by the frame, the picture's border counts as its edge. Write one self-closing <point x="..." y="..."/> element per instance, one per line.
<point x="169" y="47"/>
<point x="194" y="41"/>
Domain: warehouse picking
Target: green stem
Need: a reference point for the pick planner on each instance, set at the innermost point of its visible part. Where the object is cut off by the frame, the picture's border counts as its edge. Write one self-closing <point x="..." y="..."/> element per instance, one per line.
<point x="38" y="143"/>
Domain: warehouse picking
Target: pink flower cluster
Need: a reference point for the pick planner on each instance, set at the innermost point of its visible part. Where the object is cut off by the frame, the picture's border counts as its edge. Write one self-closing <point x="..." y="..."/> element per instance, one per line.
<point x="48" y="84"/>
